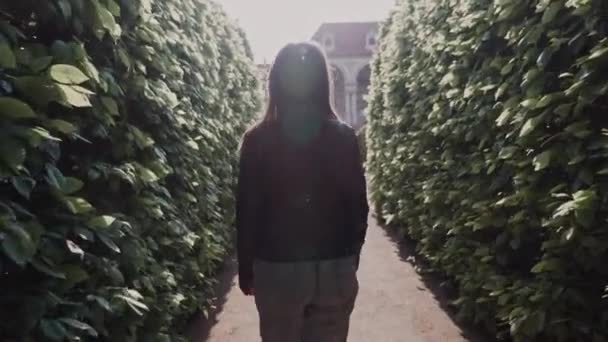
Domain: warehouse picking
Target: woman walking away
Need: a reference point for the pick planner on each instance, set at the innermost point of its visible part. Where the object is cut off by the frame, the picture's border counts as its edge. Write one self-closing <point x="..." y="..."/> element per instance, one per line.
<point x="301" y="206"/>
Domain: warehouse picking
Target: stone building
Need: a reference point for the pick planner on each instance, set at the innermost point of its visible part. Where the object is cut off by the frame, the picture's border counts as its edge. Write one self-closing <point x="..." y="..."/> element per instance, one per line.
<point x="262" y="74"/>
<point x="349" y="48"/>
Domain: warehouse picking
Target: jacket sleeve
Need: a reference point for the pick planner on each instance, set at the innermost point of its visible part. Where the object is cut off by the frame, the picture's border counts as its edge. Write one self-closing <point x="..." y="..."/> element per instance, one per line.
<point x="248" y="200"/>
<point x="356" y="189"/>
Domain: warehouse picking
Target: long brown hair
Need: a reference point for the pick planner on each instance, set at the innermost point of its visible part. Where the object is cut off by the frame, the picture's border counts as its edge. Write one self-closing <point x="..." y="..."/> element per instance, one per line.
<point x="322" y="95"/>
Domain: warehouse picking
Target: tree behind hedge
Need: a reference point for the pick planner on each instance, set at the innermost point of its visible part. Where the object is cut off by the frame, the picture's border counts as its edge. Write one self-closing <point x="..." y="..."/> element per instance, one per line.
<point x="119" y="123"/>
<point x="487" y="144"/>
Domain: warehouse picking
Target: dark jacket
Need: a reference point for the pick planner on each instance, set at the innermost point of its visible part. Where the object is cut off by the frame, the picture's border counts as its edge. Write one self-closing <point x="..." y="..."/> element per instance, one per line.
<point x="299" y="202"/>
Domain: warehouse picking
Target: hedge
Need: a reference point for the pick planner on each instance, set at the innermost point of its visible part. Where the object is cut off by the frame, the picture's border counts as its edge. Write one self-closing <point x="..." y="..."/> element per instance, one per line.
<point x="119" y="122"/>
<point x="488" y="145"/>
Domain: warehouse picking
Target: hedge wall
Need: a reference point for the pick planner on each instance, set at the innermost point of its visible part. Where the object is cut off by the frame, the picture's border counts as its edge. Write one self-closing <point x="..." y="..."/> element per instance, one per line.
<point x="488" y="145"/>
<point x="119" y="122"/>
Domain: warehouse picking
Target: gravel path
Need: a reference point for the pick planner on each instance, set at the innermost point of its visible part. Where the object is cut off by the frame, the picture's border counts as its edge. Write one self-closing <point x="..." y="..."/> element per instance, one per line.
<point x="394" y="305"/>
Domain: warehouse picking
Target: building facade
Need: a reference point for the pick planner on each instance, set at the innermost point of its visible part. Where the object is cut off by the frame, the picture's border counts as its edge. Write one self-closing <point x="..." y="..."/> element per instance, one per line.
<point x="349" y="48"/>
<point x="262" y="73"/>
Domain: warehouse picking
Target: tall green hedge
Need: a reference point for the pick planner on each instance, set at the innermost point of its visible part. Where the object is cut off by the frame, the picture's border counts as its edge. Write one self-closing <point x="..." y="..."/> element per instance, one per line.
<point x="488" y="145"/>
<point x="119" y="122"/>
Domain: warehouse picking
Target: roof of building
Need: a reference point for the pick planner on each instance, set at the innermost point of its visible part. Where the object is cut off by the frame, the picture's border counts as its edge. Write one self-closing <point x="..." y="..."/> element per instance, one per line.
<point x="349" y="38"/>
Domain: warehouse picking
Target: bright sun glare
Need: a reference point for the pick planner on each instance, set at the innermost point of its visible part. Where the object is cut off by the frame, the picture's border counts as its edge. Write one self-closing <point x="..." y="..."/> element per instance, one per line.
<point x="270" y="24"/>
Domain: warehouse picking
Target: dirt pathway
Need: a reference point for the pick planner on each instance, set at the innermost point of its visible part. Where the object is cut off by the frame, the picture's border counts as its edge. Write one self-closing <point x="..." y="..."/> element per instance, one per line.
<point x="394" y="305"/>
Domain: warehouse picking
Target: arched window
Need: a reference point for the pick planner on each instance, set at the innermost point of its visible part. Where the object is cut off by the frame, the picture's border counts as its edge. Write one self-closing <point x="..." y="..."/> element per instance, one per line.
<point x="371" y="41"/>
<point x="338" y="91"/>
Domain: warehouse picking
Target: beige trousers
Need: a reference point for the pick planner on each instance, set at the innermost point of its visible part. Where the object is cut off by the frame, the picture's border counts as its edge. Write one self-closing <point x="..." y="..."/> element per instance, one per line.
<point x="305" y="301"/>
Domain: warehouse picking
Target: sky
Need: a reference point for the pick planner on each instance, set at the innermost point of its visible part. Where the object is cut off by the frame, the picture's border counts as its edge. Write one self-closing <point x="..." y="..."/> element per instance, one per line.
<point x="270" y="24"/>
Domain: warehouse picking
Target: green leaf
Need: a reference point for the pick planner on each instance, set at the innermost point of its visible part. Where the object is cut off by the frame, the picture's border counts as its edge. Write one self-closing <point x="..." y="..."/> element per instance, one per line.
<point x="53" y="329"/>
<point x="18" y="244"/>
<point x="506" y="12"/>
<point x="62" y="126"/>
<point x="79" y="326"/>
<point x="547" y="100"/>
<point x="91" y="70"/>
<point x="110" y="105"/>
<point x="74" y="248"/>
<point x="34" y="137"/>
<point x="79" y="51"/>
<point x="544" y="58"/>
<point x="504" y="117"/>
<point x="7" y="57"/>
<point x="39" y="90"/>
<point x="23" y="185"/>
<point x="84" y="234"/>
<point x="113" y="8"/>
<point x="101" y="222"/>
<point x="41" y="63"/>
<point x="147" y="175"/>
<point x="12" y="154"/>
<point x="67" y="74"/>
<point x="38" y="134"/>
<point x="551" y="12"/>
<point x="542" y="160"/>
<point x="78" y="205"/>
<point x="564" y="110"/>
<point x="585" y="217"/>
<point x="530" y="125"/>
<point x="74" y="275"/>
<point x="507" y="68"/>
<point x="116" y="276"/>
<point x="530" y="103"/>
<point x="598" y="53"/>
<point x="66" y="8"/>
<point x="579" y="129"/>
<point x="141" y="139"/>
<point x="11" y="32"/>
<point x="192" y="144"/>
<point x="62" y="51"/>
<point x="564" y="209"/>
<point x="101" y="301"/>
<point x="584" y="199"/>
<point x="106" y="19"/>
<point x="54" y="177"/>
<point x="23" y="56"/>
<point x="535" y="323"/>
<point x="71" y="185"/>
<point x="132" y="299"/>
<point x="507" y="152"/>
<point x="43" y="267"/>
<point x="11" y="108"/>
<point x="13" y="249"/>
<point x="569" y="234"/>
<point x="500" y="92"/>
<point x="489" y="87"/>
<point x="167" y="338"/>
<point x="124" y="58"/>
<point x="582" y="203"/>
<point x="547" y="265"/>
<point x="75" y="96"/>
<point x="107" y="240"/>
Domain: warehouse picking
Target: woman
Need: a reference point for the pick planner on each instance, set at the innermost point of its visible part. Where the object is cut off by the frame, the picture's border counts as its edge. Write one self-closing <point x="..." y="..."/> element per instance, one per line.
<point x="301" y="206"/>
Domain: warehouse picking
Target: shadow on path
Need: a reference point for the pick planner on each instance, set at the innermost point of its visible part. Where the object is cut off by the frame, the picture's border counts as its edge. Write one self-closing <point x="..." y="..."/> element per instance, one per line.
<point x="442" y="289"/>
<point x="200" y="326"/>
